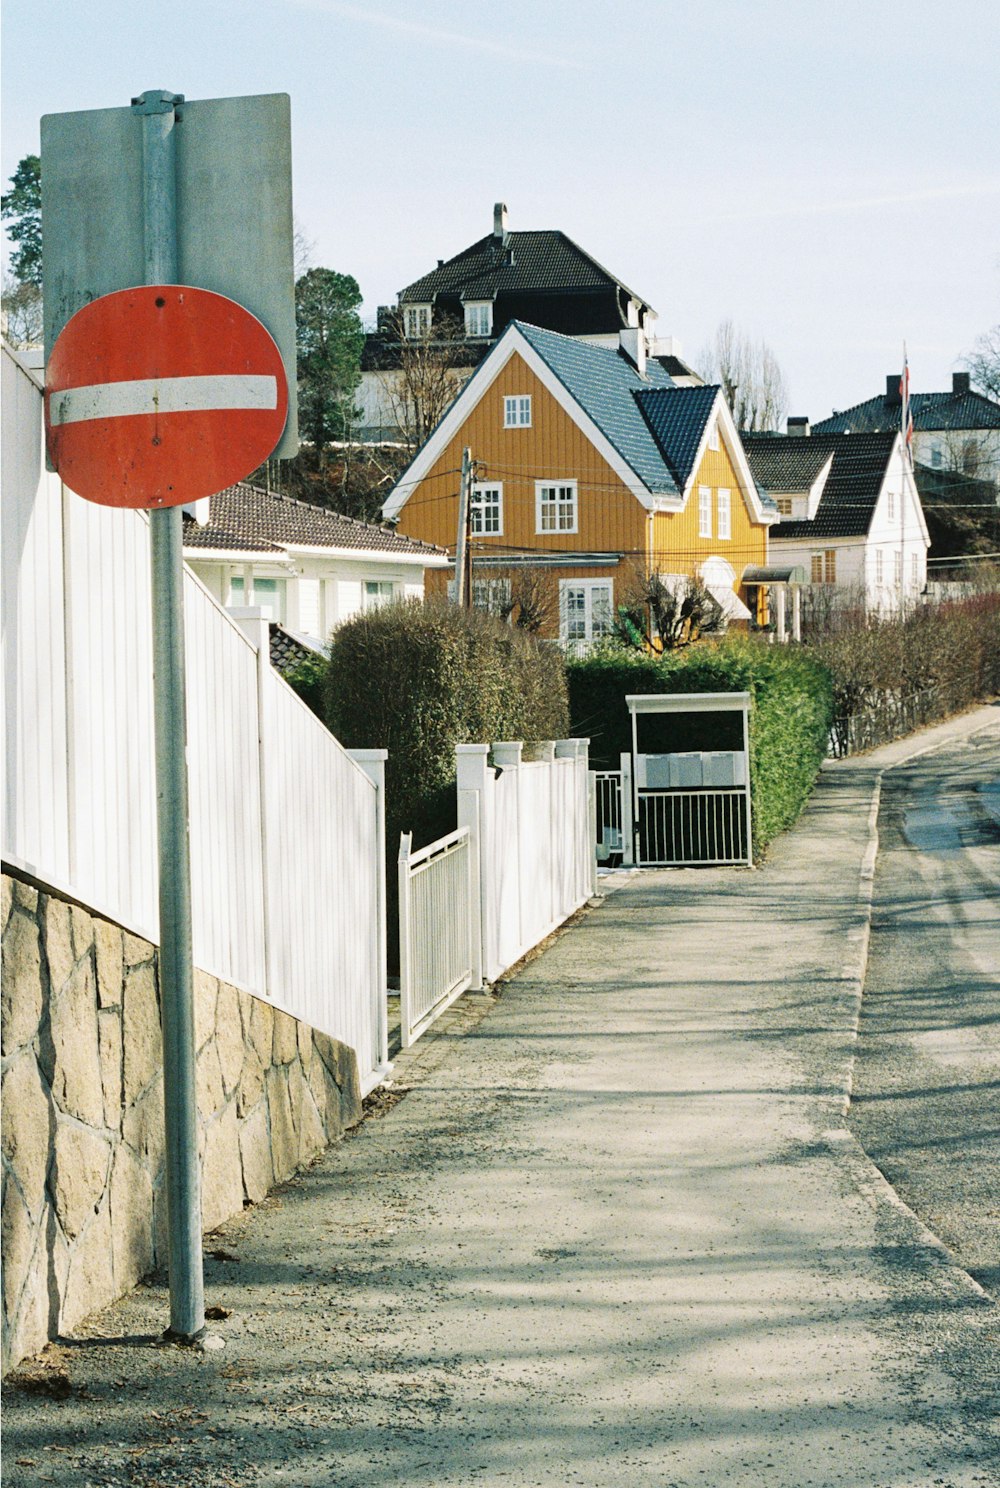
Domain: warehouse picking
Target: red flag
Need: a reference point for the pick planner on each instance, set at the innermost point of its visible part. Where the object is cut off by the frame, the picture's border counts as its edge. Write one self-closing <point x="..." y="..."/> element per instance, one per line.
<point x="906" y="426"/>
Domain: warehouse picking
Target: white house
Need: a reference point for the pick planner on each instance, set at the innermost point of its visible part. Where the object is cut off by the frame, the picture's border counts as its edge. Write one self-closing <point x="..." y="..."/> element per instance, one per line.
<point x="958" y="430"/>
<point x="307" y="567"/>
<point x="850" y="513"/>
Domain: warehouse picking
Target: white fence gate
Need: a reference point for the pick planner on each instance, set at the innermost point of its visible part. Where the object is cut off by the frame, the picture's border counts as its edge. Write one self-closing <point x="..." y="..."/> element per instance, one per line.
<point x="439" y="951"/>
<point x="287" y="829"/>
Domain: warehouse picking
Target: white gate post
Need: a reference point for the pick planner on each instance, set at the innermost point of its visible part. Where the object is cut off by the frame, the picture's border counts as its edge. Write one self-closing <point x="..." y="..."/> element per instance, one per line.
<point x="372" y="761"/>
<point x="628" y="813"/>
<point x="576" y="750"/>
<point x="507" y="755"/>
<point x="471" y="767"/>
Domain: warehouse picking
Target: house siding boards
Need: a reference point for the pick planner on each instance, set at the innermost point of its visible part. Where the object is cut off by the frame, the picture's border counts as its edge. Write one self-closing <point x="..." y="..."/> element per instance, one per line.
<point x="677" y="546"/>
<point x="554" y="449"/>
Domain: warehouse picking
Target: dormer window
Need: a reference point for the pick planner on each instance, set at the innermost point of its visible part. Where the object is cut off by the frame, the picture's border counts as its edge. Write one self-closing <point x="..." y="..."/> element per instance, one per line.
<point x="416" y="321"/>
<point x="479" y="318"/>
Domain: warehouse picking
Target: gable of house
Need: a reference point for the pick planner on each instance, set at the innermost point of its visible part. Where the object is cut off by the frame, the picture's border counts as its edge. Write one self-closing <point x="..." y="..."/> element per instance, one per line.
<point x="583" y="463"/>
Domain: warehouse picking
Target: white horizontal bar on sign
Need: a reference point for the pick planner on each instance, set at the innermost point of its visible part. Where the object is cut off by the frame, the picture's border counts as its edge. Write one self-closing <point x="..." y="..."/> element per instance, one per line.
<point x="162" y="395"/>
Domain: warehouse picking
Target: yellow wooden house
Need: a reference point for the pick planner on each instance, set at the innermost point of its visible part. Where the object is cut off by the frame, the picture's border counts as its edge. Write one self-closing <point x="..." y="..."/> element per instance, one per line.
<point x="592" y="469"/>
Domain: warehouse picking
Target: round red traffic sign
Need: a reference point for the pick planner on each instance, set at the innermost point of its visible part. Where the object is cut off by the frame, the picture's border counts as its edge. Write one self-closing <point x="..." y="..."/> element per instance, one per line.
<point x="162" y="394"/>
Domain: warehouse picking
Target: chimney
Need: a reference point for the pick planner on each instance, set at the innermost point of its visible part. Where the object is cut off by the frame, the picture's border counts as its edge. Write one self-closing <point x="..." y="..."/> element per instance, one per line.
<point x="798" y="424"/>
<point x="500" y="222"/>
<point x="960" y="382"/>
<point x="893" y="397"/>
<point x="632" y="342"/>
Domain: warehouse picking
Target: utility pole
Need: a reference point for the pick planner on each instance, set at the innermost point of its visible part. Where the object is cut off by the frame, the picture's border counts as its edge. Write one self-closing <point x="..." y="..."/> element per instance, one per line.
<point x="464" y="524"/>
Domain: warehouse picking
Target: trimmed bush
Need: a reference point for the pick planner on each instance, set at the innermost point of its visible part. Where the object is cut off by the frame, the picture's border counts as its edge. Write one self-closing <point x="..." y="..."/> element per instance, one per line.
<point x="417" y="679"/>
<point x="790" y="713"/>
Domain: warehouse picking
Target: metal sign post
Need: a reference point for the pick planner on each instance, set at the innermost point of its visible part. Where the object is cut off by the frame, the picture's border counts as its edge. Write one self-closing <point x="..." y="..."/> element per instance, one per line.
<point x="170" y="352"/>
<point x="183" y="1177"/>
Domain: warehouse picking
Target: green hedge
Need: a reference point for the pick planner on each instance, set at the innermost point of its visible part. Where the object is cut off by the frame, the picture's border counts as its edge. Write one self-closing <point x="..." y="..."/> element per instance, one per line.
<point x="790" y="713"/>
<point x="417" y="679"/>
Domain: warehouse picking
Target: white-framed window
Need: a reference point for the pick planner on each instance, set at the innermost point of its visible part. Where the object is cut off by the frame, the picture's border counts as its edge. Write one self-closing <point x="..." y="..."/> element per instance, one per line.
<point x="517" y="411"/>
<point x="416" y="321"/>
<point x="269" y="594"/>
<point x="487" y="509"/>
<point x="479" y="318"/>
<point x="784" y="505"/>
<point x="585" y="612"/>
<point x="890" y="505"/>
<point x="704" y="511"/>
<point x="897" y="568"/>
<point x="723" y="512"/>
<point x="556" y="506"/>
<point x="914" y="570"/>
<point x="713" y="435"/>
<point x="879" y="566"/>
<point x="493" y="596"/>
<point x="378" y="592"/>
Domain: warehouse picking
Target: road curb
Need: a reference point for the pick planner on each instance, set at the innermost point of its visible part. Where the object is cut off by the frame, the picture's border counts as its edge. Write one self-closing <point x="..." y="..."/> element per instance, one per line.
<point x="873" y="1186"/>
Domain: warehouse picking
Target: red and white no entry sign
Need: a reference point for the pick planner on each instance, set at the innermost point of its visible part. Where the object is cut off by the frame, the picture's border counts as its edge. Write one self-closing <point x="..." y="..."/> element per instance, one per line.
<point x="162" y="394"/>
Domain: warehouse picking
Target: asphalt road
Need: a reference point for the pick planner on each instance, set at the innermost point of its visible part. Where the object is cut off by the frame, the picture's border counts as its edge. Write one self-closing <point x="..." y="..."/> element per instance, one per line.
<point x="926" y="1102"/>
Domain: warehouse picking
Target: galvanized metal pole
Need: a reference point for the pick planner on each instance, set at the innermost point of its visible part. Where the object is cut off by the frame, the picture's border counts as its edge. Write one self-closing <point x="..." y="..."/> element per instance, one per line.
<point x="183" y="1178"/>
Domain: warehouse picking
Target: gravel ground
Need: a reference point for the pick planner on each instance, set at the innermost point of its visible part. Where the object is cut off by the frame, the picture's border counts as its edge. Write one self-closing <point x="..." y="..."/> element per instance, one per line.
<point x="614" y="1231"/>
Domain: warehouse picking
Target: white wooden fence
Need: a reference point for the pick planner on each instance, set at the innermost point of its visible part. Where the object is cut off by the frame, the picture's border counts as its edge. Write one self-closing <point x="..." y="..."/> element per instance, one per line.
<point x="287" y="830"/>
<point x="521" y="862"/>
<point x="531" y="825"/>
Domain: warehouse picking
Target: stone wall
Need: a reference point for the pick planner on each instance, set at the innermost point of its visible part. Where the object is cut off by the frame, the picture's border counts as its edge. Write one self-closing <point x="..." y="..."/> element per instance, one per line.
<point x="83" y="1213"/>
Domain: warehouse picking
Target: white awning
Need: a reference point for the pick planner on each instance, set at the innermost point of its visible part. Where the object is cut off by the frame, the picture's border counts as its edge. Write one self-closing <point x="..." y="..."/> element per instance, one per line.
<point x="729" y="602"/>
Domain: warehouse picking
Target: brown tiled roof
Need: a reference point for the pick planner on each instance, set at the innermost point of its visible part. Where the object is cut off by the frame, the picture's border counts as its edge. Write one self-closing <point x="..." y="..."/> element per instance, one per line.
<point x="247" y="519"/>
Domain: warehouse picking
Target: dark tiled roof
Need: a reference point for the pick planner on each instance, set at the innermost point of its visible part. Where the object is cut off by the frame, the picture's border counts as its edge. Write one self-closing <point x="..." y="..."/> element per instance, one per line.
<point x="524" y="261"/>
<point x="287" y="651"/>
<point x="962" y="410"/>
<point x="677" y="417"/>
<point x="852" y="488"/>
<point x="785" y="463"/>
<point x="604" y="382"/>
<point x="248" y="519"/>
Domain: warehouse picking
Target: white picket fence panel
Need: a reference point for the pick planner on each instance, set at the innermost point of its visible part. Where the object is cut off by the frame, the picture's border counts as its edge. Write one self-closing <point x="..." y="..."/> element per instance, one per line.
<point x="531" y="825"/>
<point x="438" y="929"/>
<point x="287" y="861"/>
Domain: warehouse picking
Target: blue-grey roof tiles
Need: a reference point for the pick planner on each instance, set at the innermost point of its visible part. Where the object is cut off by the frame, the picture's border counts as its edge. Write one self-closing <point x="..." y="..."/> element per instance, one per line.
<point x="604" y="383"/>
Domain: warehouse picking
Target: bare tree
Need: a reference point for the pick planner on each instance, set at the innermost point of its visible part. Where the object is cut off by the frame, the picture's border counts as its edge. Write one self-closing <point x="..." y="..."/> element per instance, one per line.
<point x="422" y="376"/>
<point x="22" y="312"/>
<point x="983" y="362"/>
<point x="654" y="615"/>
<point x="752" y="381"/>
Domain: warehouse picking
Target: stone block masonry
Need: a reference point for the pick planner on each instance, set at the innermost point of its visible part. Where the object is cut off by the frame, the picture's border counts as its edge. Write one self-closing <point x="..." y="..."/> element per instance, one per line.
<point x="83" y="1216"/>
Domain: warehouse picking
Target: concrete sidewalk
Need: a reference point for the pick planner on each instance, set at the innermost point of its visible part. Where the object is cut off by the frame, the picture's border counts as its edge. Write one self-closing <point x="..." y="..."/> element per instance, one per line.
<point x="617" y="1232"/>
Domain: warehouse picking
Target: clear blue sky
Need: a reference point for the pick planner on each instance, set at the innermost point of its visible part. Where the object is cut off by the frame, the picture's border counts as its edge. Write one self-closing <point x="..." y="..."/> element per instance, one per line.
<point x="826" y="175"/>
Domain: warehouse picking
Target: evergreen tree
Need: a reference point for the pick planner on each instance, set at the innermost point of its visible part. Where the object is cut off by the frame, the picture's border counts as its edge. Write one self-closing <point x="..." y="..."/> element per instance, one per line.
<point x="22" y="208"/>
<point x="329" y="339"/>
